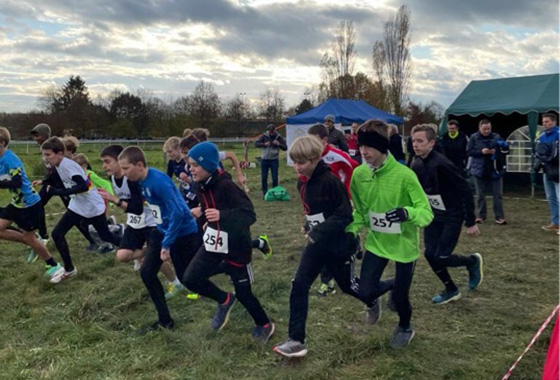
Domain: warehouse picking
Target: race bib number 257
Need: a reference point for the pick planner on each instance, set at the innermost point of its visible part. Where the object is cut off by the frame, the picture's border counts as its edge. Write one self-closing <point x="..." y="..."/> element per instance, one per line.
<point x="377" y="222"/>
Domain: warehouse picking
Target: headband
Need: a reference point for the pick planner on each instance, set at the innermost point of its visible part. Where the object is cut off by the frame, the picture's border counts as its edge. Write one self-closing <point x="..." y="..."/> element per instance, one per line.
<point x="373" y="140"/>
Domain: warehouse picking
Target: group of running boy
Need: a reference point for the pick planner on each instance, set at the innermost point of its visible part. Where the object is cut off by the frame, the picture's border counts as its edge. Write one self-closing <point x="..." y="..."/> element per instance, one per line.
<point x="203" y="227"/>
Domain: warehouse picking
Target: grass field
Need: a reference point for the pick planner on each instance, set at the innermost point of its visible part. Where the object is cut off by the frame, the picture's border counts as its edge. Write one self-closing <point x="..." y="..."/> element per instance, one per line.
<point x="86" y="328"/>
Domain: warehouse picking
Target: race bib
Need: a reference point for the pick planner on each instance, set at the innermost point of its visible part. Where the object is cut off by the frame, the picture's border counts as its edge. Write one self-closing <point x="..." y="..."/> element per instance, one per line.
<point x="135" y="221"/>
<point x="314" y="220"/>
<point x="352" y="152"/>
<point x="436" y="202"/>
<point x="215" y="241"/>
<point x="377" y="222"/>
<point x="156" y="212"/>
<point x="191" y="196"/>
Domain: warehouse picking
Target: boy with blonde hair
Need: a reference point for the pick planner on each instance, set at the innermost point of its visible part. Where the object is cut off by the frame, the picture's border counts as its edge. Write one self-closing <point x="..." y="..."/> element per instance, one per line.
<point x="327" y="212"/>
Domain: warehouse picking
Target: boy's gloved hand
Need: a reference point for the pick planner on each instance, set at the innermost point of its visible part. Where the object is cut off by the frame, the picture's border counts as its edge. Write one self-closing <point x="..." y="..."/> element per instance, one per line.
<point x="397" y="215"/>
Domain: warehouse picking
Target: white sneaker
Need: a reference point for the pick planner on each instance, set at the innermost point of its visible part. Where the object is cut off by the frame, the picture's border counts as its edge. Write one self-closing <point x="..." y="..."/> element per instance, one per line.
<point x="137" y="265"/>
<point x="62" y="275"/>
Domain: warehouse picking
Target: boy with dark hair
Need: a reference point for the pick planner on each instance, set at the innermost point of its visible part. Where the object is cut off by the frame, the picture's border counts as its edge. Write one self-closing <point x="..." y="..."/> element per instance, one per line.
<point x="327" y="212"/>
<point x="176" y="237"/>
<point x="177" y="166"/>
<point x="390" y="202"/>
<point x="452" y="203"/>
<point x="25" y="209"/>
<point x="140" y="222"/>
<point x="228" y="214"/>
<point x="86" y="205"/>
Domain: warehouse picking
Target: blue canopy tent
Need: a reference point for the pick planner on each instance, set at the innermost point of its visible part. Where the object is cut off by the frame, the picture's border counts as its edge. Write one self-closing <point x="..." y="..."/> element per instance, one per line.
<point x="345" y="112"/>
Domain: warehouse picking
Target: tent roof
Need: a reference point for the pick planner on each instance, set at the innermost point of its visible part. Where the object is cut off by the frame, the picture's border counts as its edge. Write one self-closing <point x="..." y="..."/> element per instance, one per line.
<point x="345" y="112"/>
<point x="538" y="93"/>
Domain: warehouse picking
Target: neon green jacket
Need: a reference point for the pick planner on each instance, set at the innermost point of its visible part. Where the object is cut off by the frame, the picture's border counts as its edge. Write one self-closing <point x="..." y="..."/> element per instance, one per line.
<point x="391" y="186"/>
<point x="99" y="182"/>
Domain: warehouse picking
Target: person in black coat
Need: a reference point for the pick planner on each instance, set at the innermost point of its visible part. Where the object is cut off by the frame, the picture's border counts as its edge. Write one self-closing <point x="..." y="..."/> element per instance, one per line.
<point x="454" y="144"/>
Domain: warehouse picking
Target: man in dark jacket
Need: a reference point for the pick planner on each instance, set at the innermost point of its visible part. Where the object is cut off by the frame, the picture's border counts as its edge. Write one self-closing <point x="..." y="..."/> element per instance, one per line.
<point x="336" y="137"/>
<point x="488" y="151"/>
<point x="271" y="142"/>
<point x="396" y="144"/>
<point x="547" y="158"/>
<point x="454" y="144"/>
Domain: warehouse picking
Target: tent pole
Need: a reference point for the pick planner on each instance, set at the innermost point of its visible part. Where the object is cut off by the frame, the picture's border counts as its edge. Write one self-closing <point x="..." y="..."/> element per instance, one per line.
<point x="532" y="121"/>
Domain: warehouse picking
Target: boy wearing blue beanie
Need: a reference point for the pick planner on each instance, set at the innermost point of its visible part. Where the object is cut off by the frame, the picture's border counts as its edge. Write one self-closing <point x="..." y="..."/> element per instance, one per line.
<point x="228" y="214"/>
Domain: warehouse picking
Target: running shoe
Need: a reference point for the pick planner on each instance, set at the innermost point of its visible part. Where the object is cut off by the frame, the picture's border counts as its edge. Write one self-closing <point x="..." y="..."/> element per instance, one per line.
<point x="326" y="289"/>
<point x="475" y="272"/>
<point x="221" y="317"/>
<point x="401" y="337"/>
<point x="261" y="334"/>
<point x="51" y="270"/>
<point x="267" y="248"/>
<point x="62" y="275"/>
<point x="446" y="296"/>
<point x="291" y="349"/>
<point x="156" y="326"/>
<point x="373" y="314"/>
<point x="173" y="290"/>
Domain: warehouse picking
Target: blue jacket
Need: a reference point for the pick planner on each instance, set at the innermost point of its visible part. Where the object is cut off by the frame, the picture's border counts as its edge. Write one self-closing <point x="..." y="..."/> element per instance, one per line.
<point x="170" y="210"/>
<point x="487" y="165"/>
<point x="546" y="153"/>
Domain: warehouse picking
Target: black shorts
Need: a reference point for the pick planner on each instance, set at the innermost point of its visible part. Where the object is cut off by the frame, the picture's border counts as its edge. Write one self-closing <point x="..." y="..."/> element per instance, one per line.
<point x="134" y="238"/>
<point x="28" y="218"/>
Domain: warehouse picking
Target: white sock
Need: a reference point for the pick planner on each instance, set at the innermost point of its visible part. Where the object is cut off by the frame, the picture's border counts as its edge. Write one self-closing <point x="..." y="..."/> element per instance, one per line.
<point x="261" y="243"/>
<point x="176" y="281"/>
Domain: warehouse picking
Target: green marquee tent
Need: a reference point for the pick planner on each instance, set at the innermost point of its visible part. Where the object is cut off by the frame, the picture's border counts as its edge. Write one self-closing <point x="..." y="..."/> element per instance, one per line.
<point x="519" y="97"/>
<point x="529" y="96"/>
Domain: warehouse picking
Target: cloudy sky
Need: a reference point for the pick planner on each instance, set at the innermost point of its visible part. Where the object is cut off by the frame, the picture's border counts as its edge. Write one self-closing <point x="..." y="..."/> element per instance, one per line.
<point x="244" y="46"/>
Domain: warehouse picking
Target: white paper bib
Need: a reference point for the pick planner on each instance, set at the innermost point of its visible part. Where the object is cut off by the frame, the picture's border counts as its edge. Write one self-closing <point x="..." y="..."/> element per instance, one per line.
<point x="377" y="222"/>
<point x="215" y="241"/>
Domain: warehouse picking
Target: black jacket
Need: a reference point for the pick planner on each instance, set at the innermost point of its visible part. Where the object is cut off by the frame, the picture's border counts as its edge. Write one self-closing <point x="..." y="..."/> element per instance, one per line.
<point x="439" y="176"/>
<point x="236" y="214"/>
<point x="456" y="149"/>
<point x="396" y="148"/>
<point x="338" y="139"/>
<point x="272" y="151"/>
<point x="326" y="194"/>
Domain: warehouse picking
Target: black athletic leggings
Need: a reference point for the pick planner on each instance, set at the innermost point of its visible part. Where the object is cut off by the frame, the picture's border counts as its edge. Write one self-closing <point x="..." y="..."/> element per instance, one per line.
<point x="182" y="251"/>
<point x="71" y="219"/>
<point x="440" y="240"/>
<point x="371" y="286"/>
<point x="313" y="260"/>
<point x="207" y="264"/>
<point x="45" y="198"/>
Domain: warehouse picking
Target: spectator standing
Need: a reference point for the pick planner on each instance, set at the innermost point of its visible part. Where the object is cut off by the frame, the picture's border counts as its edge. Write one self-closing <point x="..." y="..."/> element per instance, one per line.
<point x="336" y="137"/>
<point x="488" y="151"/>
<point x="547" y="158"/>
<point x="454" y="144"/>
<point x="271" y="142"/>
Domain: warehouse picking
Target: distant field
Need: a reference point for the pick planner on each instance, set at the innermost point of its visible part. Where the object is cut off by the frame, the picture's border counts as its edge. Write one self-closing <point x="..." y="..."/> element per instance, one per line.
<point x="86" y="328"/>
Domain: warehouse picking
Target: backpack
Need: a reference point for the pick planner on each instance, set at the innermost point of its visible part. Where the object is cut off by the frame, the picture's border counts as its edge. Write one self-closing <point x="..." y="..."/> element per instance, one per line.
<point x="277" y="193"/>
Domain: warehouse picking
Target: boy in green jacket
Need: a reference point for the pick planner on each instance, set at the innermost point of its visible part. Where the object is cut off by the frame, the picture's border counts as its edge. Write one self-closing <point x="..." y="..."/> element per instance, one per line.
<point x="390" y="202"/>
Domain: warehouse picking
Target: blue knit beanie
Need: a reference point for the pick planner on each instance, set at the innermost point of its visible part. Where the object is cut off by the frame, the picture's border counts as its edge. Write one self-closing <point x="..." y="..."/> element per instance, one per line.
<point x="206" y="155"/>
